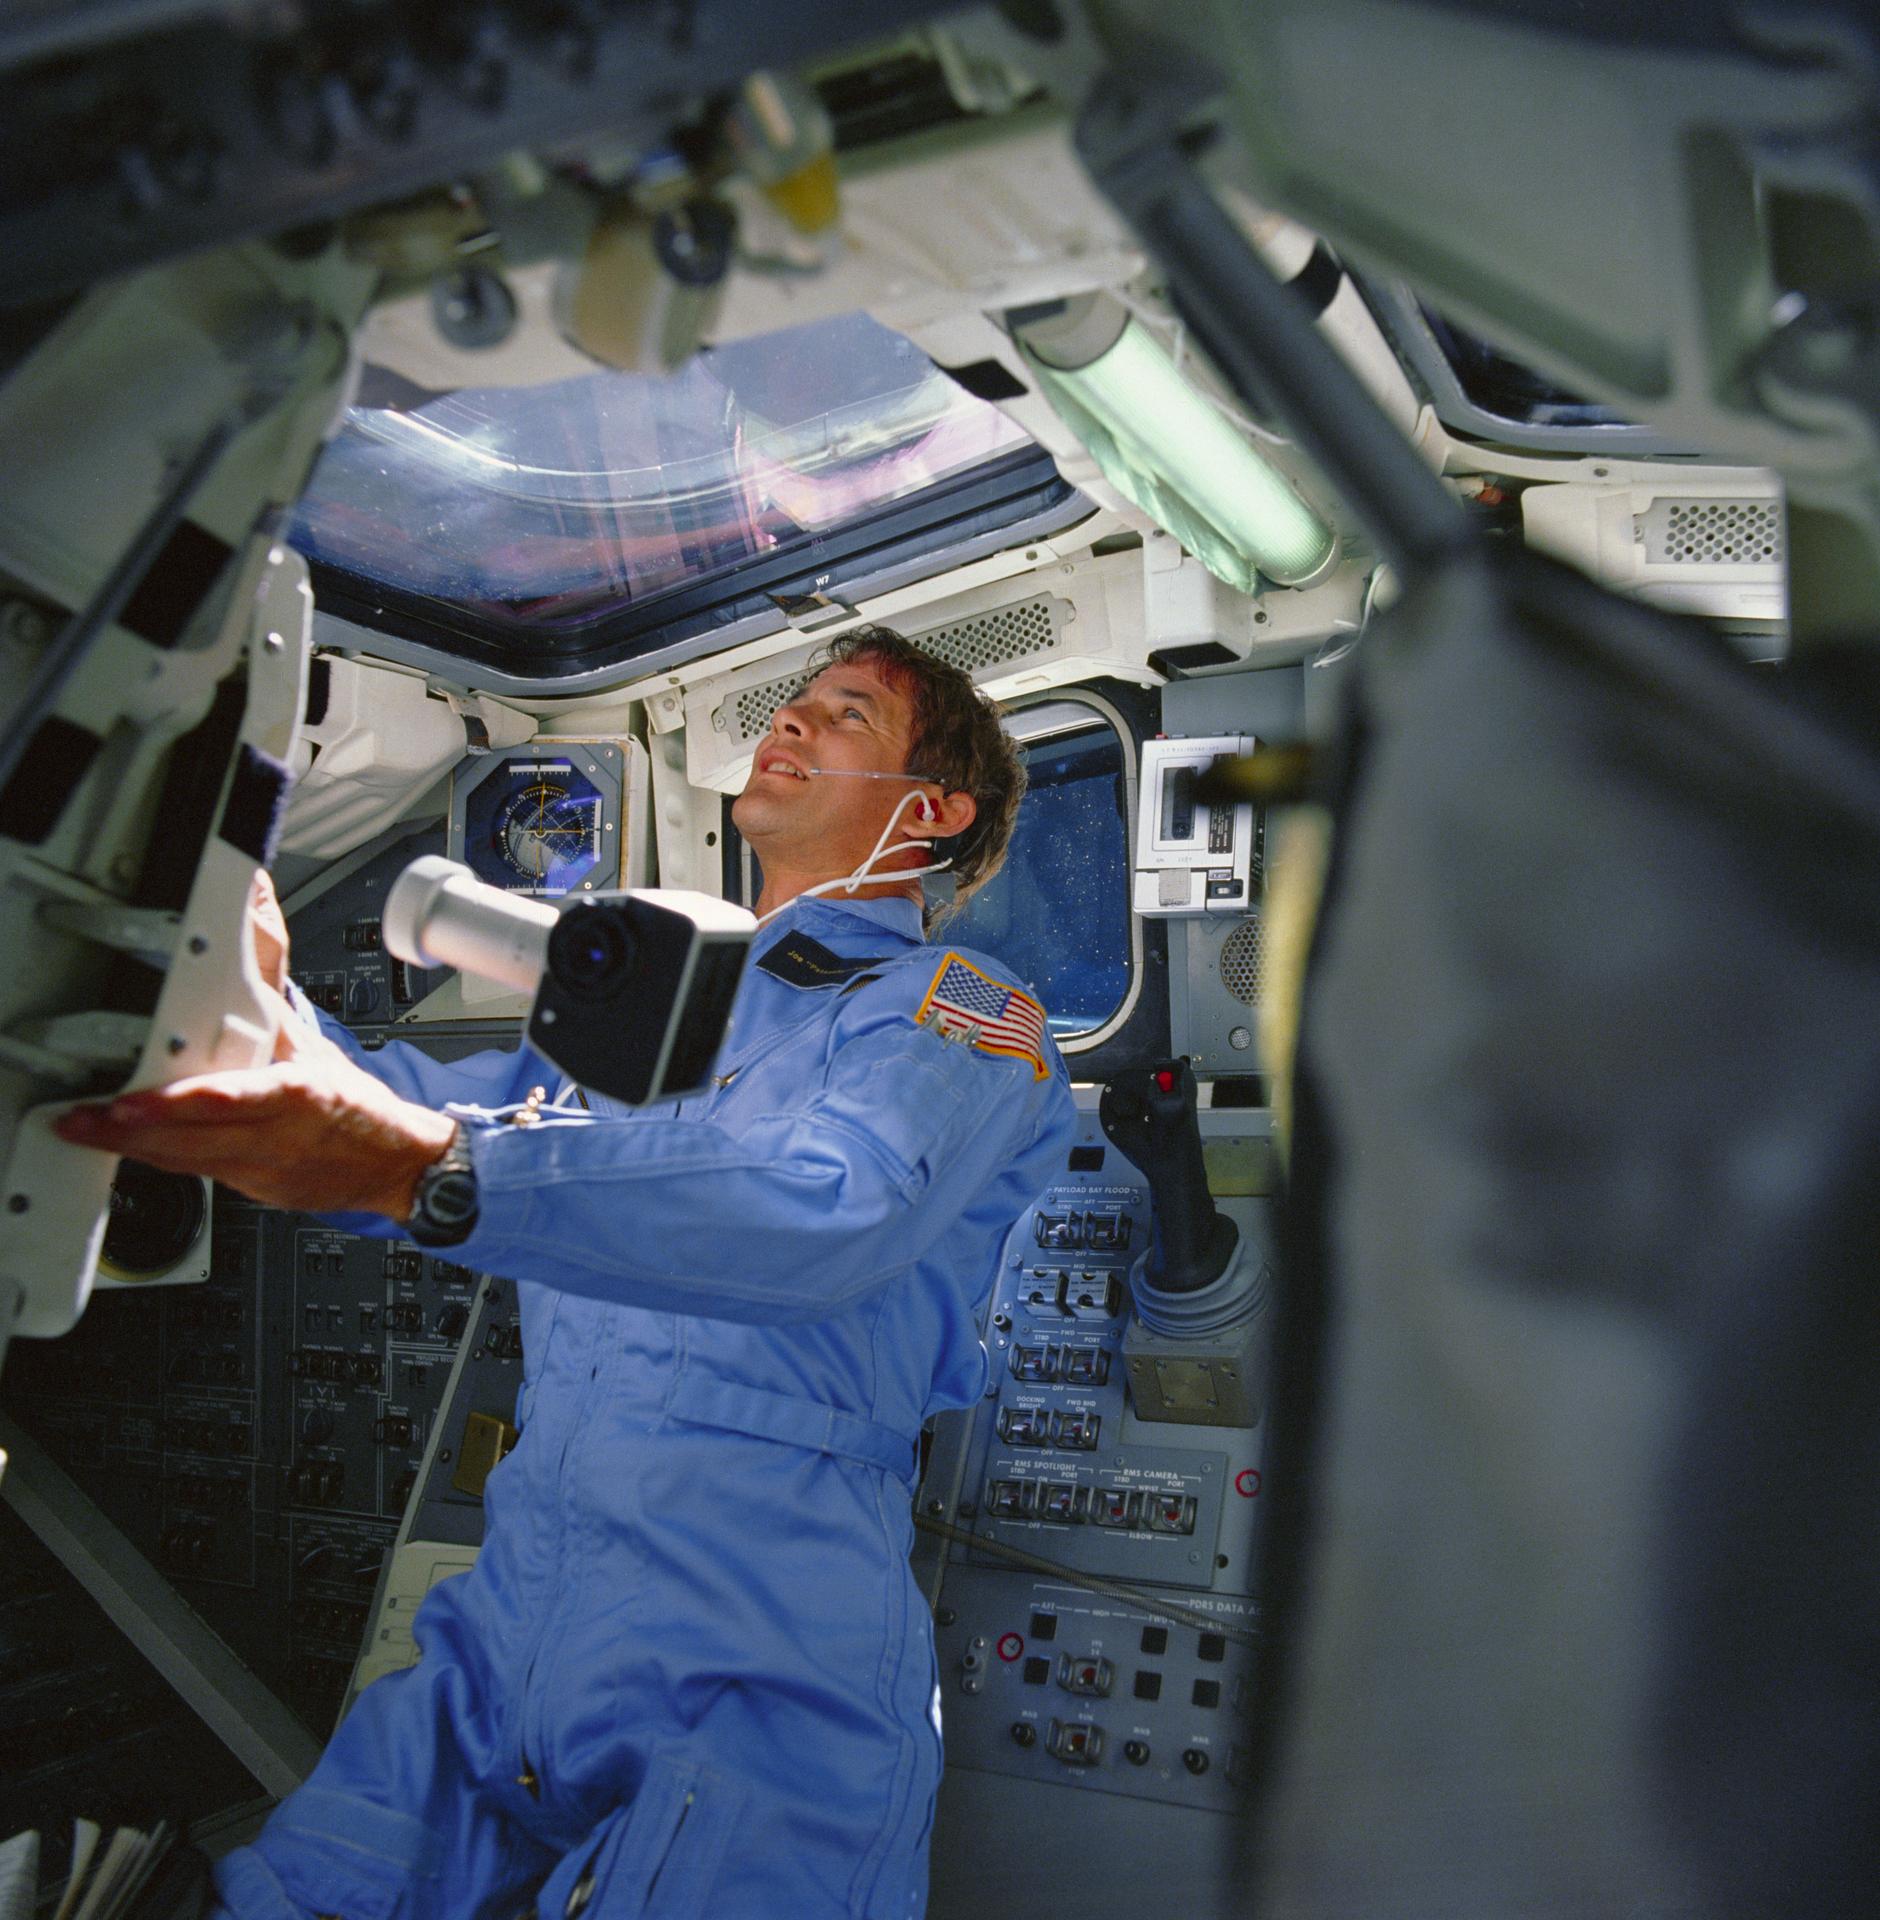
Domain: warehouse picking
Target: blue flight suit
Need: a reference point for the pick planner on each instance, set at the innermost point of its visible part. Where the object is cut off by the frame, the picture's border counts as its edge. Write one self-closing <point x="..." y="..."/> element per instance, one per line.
<point x="690" y="1673"/>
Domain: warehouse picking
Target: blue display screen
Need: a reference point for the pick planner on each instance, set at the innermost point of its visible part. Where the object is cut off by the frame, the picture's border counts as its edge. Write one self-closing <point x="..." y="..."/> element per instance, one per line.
<point x="1057" y="912"/>
<point x="534" y="828"/>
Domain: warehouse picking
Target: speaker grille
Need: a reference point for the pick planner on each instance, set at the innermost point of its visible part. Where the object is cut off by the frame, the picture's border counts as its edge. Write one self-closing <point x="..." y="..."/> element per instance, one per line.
<point x="1243" y="960"/>
<point x="1712" y="533"/>
<point x="987" y="640"/>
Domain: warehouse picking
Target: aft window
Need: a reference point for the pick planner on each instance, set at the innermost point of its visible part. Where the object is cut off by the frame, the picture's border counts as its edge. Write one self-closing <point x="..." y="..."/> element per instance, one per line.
<point x="1057" y="913"/>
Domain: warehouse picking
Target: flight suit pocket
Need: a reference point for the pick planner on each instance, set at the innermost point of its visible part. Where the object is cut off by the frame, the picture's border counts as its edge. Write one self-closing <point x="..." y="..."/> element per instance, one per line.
<point x="656" y="1859"/>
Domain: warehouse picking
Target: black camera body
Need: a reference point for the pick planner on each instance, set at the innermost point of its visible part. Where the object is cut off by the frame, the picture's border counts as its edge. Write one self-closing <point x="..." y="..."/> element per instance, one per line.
<point x="630" y="992"/>
<point x="637" y="991"/>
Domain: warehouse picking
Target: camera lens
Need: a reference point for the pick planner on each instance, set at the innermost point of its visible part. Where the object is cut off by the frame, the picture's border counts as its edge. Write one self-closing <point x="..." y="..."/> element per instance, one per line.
<point x="592" y="952"/>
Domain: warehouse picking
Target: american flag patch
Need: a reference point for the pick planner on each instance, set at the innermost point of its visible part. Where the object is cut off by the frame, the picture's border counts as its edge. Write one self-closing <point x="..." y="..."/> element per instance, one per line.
<point x="967" y="1005"/>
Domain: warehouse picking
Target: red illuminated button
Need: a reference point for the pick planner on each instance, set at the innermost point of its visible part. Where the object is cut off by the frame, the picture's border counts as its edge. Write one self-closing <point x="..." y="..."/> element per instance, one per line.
<point x="1010" y="1647"/>
<point x="1165" y="1079"/>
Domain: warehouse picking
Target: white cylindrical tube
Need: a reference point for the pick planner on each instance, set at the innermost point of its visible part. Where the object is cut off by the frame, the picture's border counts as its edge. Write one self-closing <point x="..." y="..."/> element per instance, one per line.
<point x="439" y="914"/>
<point x="1340" y="311"/>
<point x="1164" y="443"/>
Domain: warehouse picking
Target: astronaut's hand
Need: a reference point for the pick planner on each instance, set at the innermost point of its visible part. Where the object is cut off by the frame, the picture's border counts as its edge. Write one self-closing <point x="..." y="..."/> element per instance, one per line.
<point x="311" y="1132"/>
<point x="267" y="930"/>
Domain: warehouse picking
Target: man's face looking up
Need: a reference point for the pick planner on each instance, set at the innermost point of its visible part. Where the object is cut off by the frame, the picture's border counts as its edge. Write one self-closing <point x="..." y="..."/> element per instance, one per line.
<point x="805" y="829"/>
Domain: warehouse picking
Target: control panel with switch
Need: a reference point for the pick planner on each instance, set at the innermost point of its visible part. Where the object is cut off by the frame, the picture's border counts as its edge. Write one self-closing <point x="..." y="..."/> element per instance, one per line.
<point x="1090" y="1546"/>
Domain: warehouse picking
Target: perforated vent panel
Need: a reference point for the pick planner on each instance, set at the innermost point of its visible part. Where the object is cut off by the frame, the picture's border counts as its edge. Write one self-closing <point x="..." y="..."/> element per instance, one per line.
<point x="987" y="640"/>
<point x="750" y="716"/>
<point x="1243" y="960"/>
<point x="1712" y="533"/>
<point x="993" y="639"/>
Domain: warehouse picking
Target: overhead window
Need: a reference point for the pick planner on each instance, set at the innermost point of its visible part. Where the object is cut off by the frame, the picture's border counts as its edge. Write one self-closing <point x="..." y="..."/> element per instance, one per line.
<point x="1057" y="913"/>
<point x="535" y="515"/>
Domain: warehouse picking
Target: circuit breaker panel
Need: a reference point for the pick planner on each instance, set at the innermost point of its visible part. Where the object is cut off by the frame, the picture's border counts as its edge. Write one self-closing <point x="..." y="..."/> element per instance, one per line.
<point x="442" y="1529"/>
<point x="1092" y="1573"/>
<point x="256" y="1437"/>
<point x="339" y="955"/>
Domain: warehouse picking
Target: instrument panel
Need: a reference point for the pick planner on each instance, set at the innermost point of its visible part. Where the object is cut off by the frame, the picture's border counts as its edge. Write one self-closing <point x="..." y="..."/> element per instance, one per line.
<point x="545" y="821"/>
<point x="1093" y="1576"/>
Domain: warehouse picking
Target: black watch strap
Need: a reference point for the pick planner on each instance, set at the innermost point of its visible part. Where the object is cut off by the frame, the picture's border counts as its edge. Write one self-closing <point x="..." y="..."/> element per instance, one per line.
<point x="444" y="1203"/>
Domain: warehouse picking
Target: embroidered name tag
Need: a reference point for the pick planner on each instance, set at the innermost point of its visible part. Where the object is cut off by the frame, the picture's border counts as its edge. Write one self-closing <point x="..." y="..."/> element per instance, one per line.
<point x="976" y="1010"/>
<point x="799" y="961"/>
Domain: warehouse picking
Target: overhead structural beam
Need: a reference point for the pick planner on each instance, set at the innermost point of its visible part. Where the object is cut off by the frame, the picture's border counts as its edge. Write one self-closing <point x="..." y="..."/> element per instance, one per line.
<point x="246" y="1716"/>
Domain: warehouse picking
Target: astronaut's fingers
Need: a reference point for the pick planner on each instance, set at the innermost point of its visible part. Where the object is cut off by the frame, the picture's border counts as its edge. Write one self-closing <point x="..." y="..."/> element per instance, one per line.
<point x="313" y="1134"/>
<point x="267" y="931"/>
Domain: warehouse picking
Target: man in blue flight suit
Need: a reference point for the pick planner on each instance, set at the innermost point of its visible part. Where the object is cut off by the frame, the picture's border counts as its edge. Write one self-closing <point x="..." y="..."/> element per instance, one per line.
<point x="690" y="1673"/>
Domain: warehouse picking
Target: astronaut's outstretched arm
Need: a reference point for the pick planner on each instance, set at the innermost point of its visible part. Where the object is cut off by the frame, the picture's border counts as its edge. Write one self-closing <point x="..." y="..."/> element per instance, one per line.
<point x="791" y="1217"/>
<point x="870" y="1148"/>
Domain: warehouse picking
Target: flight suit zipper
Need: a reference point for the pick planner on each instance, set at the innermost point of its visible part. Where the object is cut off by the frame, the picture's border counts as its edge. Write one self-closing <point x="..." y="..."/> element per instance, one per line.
<point x="529" y="1772"/>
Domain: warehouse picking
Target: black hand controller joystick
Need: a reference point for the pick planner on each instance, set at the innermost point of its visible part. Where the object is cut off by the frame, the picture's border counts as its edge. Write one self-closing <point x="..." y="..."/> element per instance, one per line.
<point x="1149" y="1116"/>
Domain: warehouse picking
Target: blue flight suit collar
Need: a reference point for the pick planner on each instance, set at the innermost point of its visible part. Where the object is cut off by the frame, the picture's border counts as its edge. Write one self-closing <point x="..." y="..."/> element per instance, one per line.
<point x="830" y="916"/>
<point x="815" y="947"/>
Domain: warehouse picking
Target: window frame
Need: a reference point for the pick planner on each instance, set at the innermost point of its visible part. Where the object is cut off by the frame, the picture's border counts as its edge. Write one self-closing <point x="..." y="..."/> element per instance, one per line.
<point x="1397" y="310"/>
<point x="1073" y="1045"/>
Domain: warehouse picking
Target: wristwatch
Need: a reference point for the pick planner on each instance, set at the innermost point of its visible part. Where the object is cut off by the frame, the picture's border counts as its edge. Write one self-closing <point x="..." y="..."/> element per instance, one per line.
<point x="444" y="1202"/>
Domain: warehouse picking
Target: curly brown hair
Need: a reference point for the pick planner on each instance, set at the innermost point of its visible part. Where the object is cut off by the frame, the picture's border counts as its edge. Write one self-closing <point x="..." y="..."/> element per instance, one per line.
<point x="957" y="742"/>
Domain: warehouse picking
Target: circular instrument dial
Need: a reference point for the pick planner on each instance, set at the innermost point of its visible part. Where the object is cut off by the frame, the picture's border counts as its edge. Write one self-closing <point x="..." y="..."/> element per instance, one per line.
<point x="544" y="828"/>
<point x="536" y="826"/>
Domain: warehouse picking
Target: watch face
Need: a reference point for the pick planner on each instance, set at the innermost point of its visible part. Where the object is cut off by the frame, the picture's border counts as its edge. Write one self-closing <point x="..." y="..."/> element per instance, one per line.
<point x="444" y="1208"/>
<point x="450" y="1200"/>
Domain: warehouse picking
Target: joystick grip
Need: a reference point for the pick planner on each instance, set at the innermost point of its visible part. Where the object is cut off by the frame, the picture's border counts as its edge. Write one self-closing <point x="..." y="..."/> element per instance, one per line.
<point x="1149" y="1116"/>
